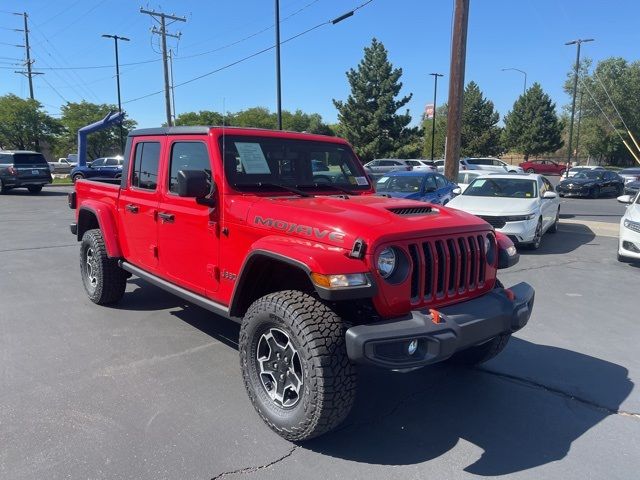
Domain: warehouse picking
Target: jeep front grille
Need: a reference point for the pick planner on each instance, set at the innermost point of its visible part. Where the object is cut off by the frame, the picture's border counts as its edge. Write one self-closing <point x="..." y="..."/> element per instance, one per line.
<point x="447" y="267"/>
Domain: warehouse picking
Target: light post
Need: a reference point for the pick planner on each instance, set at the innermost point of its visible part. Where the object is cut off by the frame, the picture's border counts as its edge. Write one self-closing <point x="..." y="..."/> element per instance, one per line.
<point x="115" y="41"/>
<point x="278" y="82"/>
<point x="577" y="42"/>
<point x="433" y="122"/>
<point x="522" y="72"/>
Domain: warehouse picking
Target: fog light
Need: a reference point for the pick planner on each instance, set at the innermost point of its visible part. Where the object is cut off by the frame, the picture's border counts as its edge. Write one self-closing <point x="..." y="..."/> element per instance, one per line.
<point x="413" y="346"/>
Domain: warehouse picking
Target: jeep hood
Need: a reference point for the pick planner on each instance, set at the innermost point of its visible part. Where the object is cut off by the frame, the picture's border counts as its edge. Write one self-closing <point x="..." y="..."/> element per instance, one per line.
<point x="340" y="220"/>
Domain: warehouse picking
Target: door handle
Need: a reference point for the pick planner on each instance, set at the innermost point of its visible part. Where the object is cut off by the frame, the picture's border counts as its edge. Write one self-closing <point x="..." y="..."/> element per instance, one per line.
<point x="167" y="217"/>
<point x="132" y="208"/>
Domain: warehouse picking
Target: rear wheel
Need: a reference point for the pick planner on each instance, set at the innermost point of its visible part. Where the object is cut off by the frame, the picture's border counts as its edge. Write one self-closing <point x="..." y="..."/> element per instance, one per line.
<point x="530" y="170"/>
<point x="35" y="189"/>
<point x="3" y="189"/>
<point x="103" y="280"/>
<point x="295" y="366"/>
<point x="76" y="177"/>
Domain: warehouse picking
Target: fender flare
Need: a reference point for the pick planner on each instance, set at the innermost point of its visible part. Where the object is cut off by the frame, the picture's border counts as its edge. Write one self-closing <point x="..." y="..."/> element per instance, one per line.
<point x="106" y="221"/>
<point x="307" y="257"/>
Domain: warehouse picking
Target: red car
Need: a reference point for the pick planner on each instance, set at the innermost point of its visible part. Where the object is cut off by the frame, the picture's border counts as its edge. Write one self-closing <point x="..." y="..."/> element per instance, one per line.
<point x="544" y="167"/>
<point x="321" y="273"/>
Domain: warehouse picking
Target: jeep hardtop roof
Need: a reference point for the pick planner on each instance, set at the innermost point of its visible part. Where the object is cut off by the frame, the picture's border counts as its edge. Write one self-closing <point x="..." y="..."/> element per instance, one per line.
<point x="205" y="129"/>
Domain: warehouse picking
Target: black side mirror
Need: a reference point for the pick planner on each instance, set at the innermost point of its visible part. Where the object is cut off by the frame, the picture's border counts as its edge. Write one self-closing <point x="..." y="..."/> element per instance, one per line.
<point x="196" y="184"/>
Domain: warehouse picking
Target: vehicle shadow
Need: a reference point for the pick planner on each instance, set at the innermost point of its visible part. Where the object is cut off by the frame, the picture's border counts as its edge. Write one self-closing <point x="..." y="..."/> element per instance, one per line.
<point x="20" y="192"/>
<point x="416" y="417"/>
<point x="503" y="408"/>
<point x="570" y="237"/>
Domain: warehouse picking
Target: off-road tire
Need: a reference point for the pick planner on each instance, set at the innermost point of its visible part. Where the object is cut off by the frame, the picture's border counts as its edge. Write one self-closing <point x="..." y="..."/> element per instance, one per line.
<point x="328" y="382"/>
<point x="110" y="279"/>
<point x="35" y="189"/>
<point x="481" y="353"/>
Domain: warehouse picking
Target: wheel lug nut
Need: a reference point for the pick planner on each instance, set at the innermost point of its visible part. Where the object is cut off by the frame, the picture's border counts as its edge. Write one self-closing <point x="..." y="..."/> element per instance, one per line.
<point x="275" y="364"/>
<point x="282" y="376"/>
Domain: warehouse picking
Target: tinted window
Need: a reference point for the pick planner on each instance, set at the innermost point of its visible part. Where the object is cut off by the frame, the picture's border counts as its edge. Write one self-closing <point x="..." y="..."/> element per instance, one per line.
<point x="400" y="183"/>
<point x="6" y="159"/>
<point x="145" y="165"/>
<point x="499" y="163"/>
<point x="99" y="162"/>
<point x="479" y="161"/>
<point x="29" y="159"/>
<point x="413" y="163"/>
<point x="626" y="171"/>
<point x="430" y="184"/>
<point x="187" y="156"/>
<point x="441" y="181"/>
<point x="111" y="162"/>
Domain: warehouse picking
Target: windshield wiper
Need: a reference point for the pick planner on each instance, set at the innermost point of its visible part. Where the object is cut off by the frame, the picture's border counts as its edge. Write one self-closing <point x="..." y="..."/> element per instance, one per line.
<point x="272" y="185"/>
<point x="327" y="185"/>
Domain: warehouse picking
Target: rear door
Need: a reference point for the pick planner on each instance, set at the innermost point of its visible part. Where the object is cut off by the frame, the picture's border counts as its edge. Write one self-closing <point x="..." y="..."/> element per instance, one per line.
<point x="188" y="233"/>
<point x="138" y="203"/>
<point x="31" y="167"/>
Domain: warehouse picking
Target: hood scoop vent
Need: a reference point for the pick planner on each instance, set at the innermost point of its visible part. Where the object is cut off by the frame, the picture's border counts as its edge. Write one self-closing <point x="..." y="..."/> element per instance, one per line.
<point x="409" y="211"/>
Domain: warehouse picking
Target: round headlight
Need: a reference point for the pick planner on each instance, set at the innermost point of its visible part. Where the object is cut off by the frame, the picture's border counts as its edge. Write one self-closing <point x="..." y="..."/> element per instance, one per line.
<point x="386" y="262"/>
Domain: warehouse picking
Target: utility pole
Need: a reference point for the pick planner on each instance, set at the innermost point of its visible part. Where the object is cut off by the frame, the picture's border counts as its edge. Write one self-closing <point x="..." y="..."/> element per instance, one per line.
<point x="456" y="88"/>
<point x="29" y="63"/>
<point x="115" y="41"/>
<point x="577" y="42"/>
<point x="433" y="122"/>
<point x="278" y="86"/>
<point x="161" y="18"/>
<point x="578" y="128"/>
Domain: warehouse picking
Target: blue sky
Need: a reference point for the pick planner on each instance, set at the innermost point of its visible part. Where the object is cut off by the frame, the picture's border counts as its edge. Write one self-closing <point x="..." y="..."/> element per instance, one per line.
<point x="524" y="34"/>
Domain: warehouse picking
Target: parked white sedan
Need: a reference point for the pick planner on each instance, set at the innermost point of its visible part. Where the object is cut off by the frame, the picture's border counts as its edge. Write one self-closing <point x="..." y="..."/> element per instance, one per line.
<point x="522" y="206"/>
<point x="629" y="242"/>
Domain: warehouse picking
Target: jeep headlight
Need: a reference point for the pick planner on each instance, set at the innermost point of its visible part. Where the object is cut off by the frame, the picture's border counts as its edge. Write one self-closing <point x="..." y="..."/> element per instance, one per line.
<point x="386" y="263"/>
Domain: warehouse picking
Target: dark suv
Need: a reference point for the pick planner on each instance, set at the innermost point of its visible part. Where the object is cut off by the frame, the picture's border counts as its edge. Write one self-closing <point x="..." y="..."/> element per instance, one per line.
<point x="23" y="169"/>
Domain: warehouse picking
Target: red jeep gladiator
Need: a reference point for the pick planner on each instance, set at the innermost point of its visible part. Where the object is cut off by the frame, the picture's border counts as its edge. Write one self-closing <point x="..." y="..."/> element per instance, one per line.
<point x="283" y="233"/>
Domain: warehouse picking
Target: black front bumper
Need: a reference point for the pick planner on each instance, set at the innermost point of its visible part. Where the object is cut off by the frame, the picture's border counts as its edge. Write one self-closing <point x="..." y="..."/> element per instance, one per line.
<point x="385" y="344"/>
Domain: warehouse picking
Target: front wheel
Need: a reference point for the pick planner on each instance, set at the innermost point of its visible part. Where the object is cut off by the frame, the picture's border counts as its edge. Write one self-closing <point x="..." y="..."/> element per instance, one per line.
<point x="295" y="366"/>
<point x="537" y="238"/>
<point x="103" y="280"/>
<point x="554" y="228"/>
<point x="35" y="189"/>
<point x="530" y="170"/>
<point x="76" y="177"/>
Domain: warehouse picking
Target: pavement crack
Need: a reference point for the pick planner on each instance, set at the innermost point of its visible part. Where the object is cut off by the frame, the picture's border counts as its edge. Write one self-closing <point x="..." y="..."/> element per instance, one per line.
<point x="559" y="392"/>
<point x="37" y="248"/>
<point x="243" y="471"/>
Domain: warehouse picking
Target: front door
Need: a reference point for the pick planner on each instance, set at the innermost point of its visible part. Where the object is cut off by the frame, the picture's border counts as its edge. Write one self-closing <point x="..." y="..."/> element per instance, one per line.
<point x="138" y="204"/>
<point x="188" y="233"/>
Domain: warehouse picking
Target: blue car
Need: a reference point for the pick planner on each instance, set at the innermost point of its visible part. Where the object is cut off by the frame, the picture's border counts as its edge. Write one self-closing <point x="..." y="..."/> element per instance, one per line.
<point x="105" y="167"/>
<point x="424" y="186"/>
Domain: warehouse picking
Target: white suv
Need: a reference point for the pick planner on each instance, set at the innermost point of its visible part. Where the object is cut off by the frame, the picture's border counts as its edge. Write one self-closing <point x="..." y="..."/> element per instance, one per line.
<point x="491" y="164"/>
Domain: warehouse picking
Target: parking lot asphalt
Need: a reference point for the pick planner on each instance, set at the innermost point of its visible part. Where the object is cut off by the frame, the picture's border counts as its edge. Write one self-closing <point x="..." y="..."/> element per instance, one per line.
<point x="151" y="389"/>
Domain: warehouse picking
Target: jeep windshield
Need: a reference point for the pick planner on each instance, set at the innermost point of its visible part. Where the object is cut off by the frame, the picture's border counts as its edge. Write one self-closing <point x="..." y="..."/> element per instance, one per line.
<point x="262" y="163"/>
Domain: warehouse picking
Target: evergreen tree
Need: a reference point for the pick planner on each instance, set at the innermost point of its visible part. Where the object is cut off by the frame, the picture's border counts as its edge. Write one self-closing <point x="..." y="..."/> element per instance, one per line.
<point x="533" y="127"/>
<point x="480" y="134"/>
<point x="369" y="118"/>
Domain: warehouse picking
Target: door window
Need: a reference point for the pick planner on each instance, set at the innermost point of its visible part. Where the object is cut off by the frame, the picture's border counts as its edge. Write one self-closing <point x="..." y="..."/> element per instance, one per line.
<point x="145" y="165"/>
<point x="430" y="184"/>
<point x="98" y="163"/>
<point x="547" y="184"/>
<point x="441" y="181"/>
<point x="187" y="156"/>
<point x="112" y="162"/>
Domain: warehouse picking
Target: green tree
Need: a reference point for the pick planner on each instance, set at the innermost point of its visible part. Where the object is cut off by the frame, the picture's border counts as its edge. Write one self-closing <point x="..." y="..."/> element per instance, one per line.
<point x="258" y="117"/>
<point x="24" y="125"/>
<point x="76" y="115"/>
<point x="533" y="127"/>
<point x="369" y="118"/>
<point x="598" y="138"/>
<point x="480" y="134"/>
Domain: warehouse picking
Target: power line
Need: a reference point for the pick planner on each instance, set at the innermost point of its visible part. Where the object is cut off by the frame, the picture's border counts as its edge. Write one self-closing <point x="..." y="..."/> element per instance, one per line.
<point x="595" y="74"/>
<point x="248" y="57"/>
<point x="55" y="90"/>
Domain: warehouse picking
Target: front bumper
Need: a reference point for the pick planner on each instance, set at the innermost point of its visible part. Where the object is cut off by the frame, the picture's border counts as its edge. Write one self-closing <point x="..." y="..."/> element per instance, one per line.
<point x="520" y="232"/>
<point x="463" y="325"/>
<point x="575" y="191"/>
<point x="628" y="243"/>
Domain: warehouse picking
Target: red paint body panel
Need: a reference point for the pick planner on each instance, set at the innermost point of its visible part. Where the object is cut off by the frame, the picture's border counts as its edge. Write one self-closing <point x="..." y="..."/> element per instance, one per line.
<point x="544" y="167"/>
<point x="203" y="249"/>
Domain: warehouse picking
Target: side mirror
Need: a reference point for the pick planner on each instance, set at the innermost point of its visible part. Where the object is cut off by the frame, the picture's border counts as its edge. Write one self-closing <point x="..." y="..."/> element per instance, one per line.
<point x="625" y="199"/>
<point x="549" y="195"/>
<point x="457" y="191"/>
<point x="196" y="184"/>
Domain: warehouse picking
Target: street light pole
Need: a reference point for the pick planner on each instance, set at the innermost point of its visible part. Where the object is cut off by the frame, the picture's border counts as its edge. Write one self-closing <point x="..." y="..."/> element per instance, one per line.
<point x="433" y="122"/>
<point x="115" y="41"/>
<point x="577" y="42"/>
<point x="522" y="72"/>
<point x="278" y="86"/>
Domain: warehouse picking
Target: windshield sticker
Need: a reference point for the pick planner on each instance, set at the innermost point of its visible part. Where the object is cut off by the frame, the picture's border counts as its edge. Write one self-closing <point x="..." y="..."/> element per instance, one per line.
<point x="252" y="158"/>
<point x="362" y="181"/>
<point x="352" y="180"/>
<point x="478" y="183"/>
